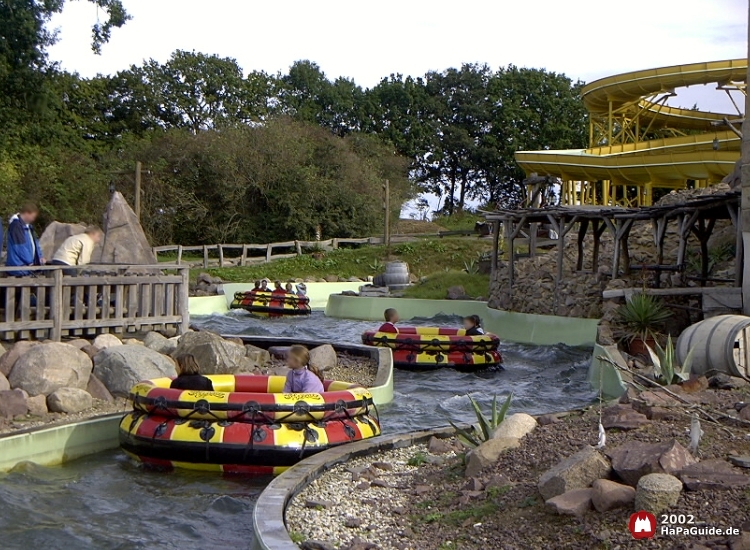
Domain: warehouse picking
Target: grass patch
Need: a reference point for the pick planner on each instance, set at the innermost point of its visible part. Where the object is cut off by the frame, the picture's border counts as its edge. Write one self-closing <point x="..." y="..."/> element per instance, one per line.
<point x="424" y="256"/>
<point x="434" y="288"/>
<point x="458" y="221"/>
<point x="297" y="538"/>
<point x="417" y="460"/>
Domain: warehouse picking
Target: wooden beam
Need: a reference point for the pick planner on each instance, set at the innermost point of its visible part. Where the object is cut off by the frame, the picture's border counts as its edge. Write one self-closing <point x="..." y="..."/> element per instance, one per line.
<point x="495" y="243"/>
<point x="582" y="229"/>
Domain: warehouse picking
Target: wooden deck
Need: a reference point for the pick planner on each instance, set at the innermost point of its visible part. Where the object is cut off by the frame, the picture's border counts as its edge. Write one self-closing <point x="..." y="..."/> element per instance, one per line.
<point x="104" y="298"/>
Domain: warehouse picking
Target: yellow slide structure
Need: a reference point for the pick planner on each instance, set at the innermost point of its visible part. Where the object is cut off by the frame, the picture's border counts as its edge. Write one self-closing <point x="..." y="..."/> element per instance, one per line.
<point x="638" y="143"/>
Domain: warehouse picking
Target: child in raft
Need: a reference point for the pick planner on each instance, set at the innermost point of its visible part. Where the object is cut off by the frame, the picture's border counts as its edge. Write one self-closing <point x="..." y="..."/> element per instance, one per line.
<point x="302" y="378"/>
<point x="391" y="318"/>
<point x="189" y="375"/>
<point x="473" y="325"/>
<point x="264" y="285"/>
<point x="289" y="288"/>
<point x="301" y="289"/>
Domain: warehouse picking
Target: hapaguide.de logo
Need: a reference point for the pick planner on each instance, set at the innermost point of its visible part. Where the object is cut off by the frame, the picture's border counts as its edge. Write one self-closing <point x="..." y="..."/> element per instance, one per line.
<point x="642" y="525"/>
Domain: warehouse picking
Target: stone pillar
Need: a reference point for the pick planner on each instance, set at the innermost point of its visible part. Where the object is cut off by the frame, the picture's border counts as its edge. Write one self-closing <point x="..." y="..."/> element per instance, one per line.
<point x="745" y="204"/>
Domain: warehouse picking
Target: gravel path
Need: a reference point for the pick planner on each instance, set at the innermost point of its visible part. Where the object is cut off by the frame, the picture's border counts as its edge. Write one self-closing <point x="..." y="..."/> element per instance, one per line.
<point x="100" y="408"/>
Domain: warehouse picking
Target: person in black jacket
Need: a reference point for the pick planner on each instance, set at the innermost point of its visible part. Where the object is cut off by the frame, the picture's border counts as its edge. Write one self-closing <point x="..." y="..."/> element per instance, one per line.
<point x="189" y="375"/>
<point x="473" y="325"/>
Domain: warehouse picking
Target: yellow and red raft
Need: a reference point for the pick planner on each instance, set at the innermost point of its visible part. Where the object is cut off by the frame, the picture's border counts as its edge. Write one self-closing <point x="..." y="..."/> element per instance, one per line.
<point x="271" y="304"/>
<point x="247" y="425"/>
<point x="427" y="348"/>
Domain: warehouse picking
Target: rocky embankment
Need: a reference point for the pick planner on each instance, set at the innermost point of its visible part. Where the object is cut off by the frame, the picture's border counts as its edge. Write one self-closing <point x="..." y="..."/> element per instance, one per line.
<point x="547" y="483"/>
<point x="48" y="382"/>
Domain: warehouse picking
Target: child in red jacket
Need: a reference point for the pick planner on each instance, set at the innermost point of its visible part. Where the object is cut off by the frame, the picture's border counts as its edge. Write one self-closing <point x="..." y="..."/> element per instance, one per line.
<point x="391" y="318"/>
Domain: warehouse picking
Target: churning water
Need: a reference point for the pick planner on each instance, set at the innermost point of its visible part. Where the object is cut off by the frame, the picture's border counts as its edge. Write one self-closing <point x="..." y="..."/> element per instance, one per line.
<point x="104" y="502"/>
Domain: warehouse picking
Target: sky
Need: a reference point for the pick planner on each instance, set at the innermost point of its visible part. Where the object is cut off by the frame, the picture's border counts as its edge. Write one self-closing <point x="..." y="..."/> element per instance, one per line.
<point x="366" y="41"/>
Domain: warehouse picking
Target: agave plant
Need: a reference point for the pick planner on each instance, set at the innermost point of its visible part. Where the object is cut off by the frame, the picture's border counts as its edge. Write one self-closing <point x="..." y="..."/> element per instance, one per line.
<point x="640" y="317"/>
<point x="475" y="436"/>
<point x="471" y="267"/>
<point x="666" y="369"/>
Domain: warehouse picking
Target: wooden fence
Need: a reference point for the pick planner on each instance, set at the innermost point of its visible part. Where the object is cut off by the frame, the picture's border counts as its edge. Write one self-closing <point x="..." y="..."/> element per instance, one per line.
<point x="214" y="255"/>
<point x="103" y="298"/>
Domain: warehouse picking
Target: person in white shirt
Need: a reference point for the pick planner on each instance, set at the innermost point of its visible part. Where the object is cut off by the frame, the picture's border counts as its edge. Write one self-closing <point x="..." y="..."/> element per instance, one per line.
<point x="77" y="249"/>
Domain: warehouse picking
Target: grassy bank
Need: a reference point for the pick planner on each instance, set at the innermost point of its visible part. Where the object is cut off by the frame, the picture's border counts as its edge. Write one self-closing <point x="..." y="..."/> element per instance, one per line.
<point x="442" y="261"/>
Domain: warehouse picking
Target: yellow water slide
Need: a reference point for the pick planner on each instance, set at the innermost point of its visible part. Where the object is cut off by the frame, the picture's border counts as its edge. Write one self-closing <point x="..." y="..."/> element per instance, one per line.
<point x="638" y="142"/>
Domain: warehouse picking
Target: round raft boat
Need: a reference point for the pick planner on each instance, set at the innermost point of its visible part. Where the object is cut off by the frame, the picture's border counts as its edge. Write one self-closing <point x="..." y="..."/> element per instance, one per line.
<point x="246" y="426"/>
<point x="425" y="348"/>
<point x="271" y="304"/>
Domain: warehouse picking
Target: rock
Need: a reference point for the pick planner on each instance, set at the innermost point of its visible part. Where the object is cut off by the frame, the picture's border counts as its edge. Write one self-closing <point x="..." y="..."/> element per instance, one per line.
<point x="55" y="234"/>
<point x="235" y="340"/>
<point x="578" y="471"/>
<point x="124" y="240"/>
<point x="353" y="523"/>
<point x="213" y="354"/>
<point x="713" y="474"/>
<point x="317" y="545"/>
<point x="487" y="454"/>
<point x="383" y="484"/>
<point x="385" y="466"/>
<point x="657" y="493"/>
<point x="69" y="400"/>
<point x="607" y="495"/>
<point x="473" y="485"/>
<point x="547" y="419"/>
<point x="457" y="293"/>
<point x="132" y="342"/>
<point x="4" y="384"/>
<point x="159" y="342"/>
<point x="9" y="358"/>
<point x="257" y="355"/>
<point x="280" y="371"/>
<point x="37" y="405"/>
<point x="331" y="279"/>
<point x="635" y="459"/>
<point x="106" y="341"/>
<point x="90" y="350"/>
<point x="79" y="343"/>
<point x="44" y="369"/>
<point x="315" y="503"/>
<point x="695" y="384"/>
<point x="439" y="446"/>
<point x="741" y="461"/>
<point x="745" y="413"/>
<point x="99" y="391"/>
<point x="740" y="542"/>
<point x="422" y="490"/>
<point x="362" y="486"/>
<point x="121" y="367"/>
<point x="628" y="396"/>
<point x="12" y="403"/>
<point x="279" y="352"/>
<point x="572" y="503"/>
<point x="718" y="381"/>
<point x="649" y="399"/>
<point x="515" y="426"/>
<point x="323" y="357"/>
<point x="622" y="417"/>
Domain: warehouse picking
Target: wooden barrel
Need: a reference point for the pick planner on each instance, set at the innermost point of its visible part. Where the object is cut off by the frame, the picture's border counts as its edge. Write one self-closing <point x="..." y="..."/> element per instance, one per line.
<point x="396" y="275"/>
<point x="721" y="344"/>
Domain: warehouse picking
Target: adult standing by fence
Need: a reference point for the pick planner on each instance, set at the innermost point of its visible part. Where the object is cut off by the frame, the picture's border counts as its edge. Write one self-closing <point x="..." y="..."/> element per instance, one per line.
<point x="23" y="245"/>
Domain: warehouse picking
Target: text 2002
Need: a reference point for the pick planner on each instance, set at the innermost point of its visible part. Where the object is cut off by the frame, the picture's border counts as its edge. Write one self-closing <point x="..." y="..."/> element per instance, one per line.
<point x="677" y="519"/>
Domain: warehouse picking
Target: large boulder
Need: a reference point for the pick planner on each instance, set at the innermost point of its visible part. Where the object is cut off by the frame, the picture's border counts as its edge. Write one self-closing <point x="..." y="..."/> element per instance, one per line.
<point x="98" y="390"/>
<point x="124" y="239"/>
<point x="159" y="342"/>
<point x="657" y="493"/>
<point x="607" y="495"/>
<point x="4" y="384"/>
<point x="69" y="400"/>
<point x="12" y="403"/>
<point x="516" y="425"/>
<point x="259" y="356"/>
<point x="9" y="358"/>
<point x="106" y="341"/>
<point x="622" y="417"/>
<point x="37" y="405"/>
<point x="635" y="459"/>
<point x="487" y="454"/>
<point x="214" y="354"/>
<point x="55" y="234"/>
<point x="572" y="503"/>
<point x="49" y="367"/>
<point x="578" y="471"/>
<point x="323" y="357"/>
<point x="121" y="367"/>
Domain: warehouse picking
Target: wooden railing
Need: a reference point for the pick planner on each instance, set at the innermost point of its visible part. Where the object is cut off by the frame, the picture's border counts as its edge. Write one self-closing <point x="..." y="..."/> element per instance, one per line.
<point x="102" y="298"/>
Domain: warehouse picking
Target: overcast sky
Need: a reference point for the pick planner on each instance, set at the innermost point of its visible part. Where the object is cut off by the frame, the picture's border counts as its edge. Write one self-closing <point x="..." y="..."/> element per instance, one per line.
<point x="366" y="41"/>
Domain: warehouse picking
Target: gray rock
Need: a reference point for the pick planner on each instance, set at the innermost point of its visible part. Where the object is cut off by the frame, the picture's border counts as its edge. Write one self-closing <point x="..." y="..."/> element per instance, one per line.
<point x="55" y="234"/>
<point x="214" y="354"/>
<point x="121" y="367"/>
<point x="79" y="343"/>
<point x="315" y="503"/>
<point x="159" y="342"/>
<point x="124" y="241"/>
<point x="712" y="475"/>
<point x="578" y="471"/>
<point x="547" y="419"/>
<point x="106" y="341"/>
<point x="98" y="390"/>
<point x="323" y="357"/>
<point x="69" y="400"/>
<point x="487" y="454"/>
<point x="622" y="417"/>
<point x="4" y="384"/>
<point x="9" y="358"/>
<point x="132" y="342"/>
<point x="741" y="461"/>
<point x="257" y="355"/>
<point x="571" y="503"/>
<point x="439" y="446"/>
<point x="37" y="405"/>
<point x="657" y="493"/>
<point x="726" y="382"/>
<point x="90" y="350"/>
<point x="607" y="495"/>
<point x="516" y="426"/>
<point x="634" y="459"/>
<point x="457" y="293"/>
<point x="44" y="369"/>
<point x="12" y="403"/>
<point x="317" y="545"/>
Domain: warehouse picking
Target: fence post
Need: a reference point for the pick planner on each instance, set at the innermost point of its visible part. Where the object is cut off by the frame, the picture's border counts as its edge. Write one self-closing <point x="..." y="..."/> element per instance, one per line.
<point x="221" y="255"/>
<point x="298" y="246"/>
<point x="205" y="257"/>
<point x="184" y="300"/>
<point x="179" y="254"/>
<point x="56" y="309"/>
<point x="269" y="252"/>
<point x="243" y="258"/>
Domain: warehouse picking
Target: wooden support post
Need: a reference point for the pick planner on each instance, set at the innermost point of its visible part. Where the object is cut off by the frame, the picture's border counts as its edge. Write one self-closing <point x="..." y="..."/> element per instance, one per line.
<point x="624" y="245"/>
<point x="582" y="229"/>
<point x="598" y="230"/>
<point x="269" y="252"/>
<point x="137" y="198"/>
<point x="184" y="301"/>
<point x="659" y="226"/>
<point x="495" y="242"/>
<point x="387" y="209"/>
<point x="734" y="214"/>
<point x="562" y="229"/>
<point x="703" y="233"/>
<point x="243" y="258"/>
<point x="221" y="255"/>
<point x="205" y="257"/>
<point x="298" y="248"/>
<point x="533" y="229"/>
<point x="179" y="254"/>
<point x="56" y="306"/>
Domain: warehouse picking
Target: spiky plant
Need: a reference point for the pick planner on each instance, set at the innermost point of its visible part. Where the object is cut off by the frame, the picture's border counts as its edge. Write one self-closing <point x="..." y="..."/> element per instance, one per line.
<point x="474" y="437"/>
<point x="666" y="369"/>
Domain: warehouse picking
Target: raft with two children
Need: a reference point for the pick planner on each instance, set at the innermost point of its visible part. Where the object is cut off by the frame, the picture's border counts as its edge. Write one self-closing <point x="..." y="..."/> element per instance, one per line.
<point x="247" y="425"/>
<point x="428" y="348"/>
<point x="266" y="303"/>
